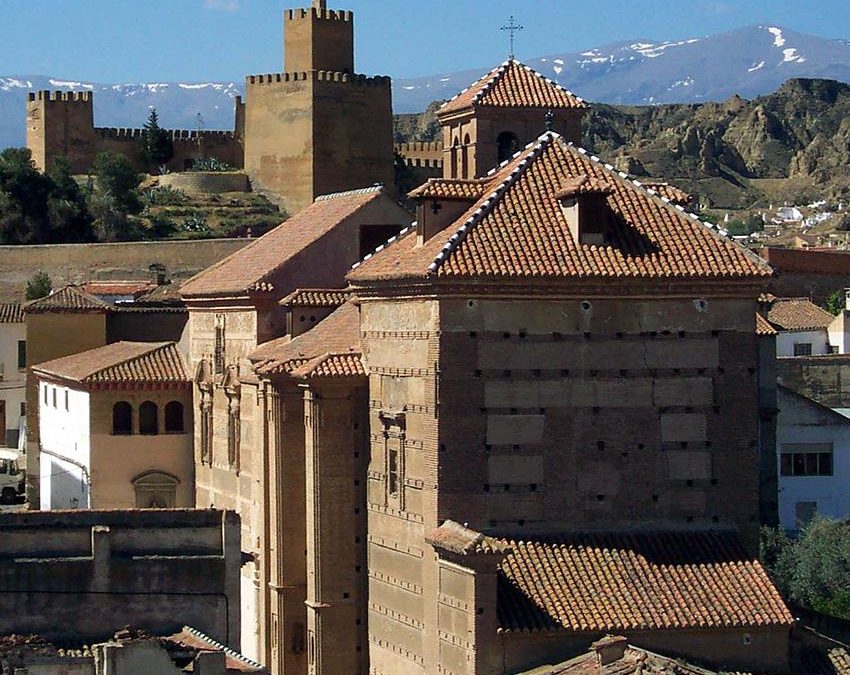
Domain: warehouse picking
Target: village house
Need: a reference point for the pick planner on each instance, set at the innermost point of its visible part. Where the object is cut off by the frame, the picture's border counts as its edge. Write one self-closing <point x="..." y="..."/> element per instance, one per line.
<point x="13" y="364"/>
<point x="116" y="428"/>
<point x="813" y="454"/>
<point x="803" y="328"/>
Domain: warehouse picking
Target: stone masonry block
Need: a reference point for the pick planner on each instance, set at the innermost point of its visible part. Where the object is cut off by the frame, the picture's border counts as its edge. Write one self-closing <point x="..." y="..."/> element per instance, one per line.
<point x="679" y="427"/>
<point x="515" y="469"/>
<point x="515" y="429"/>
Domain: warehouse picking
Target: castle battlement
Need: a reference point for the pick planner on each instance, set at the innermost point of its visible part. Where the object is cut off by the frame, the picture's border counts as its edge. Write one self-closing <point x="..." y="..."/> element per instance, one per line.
<point x="319" y="76"/>
<point x="46" y="95"/>
<point x="420" y="147"/>
<point x="133" y="135"/>
<point x="343" y="16"/>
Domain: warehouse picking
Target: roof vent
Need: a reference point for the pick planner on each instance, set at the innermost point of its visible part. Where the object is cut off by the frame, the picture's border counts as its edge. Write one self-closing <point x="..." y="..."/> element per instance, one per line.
<point x="610" y="649"/>
<point x="583" y="201"/>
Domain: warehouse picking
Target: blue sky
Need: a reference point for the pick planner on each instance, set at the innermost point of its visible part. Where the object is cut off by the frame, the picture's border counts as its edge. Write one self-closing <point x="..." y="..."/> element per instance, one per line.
<point x="202" y="40"/>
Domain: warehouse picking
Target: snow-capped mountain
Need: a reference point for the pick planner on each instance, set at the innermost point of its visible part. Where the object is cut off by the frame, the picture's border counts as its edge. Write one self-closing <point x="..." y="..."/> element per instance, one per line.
<point x="749" y="61"/>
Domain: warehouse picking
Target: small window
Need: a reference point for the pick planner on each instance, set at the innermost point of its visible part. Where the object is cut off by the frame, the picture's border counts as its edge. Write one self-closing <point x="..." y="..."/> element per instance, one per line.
<point x="23" y="408"/>
<point x="22" y="354"/>
<point x="174" y="417"/>
<point x="55" y="405"/>
<point x="122" y="419"/>
<point x="45" y="394"/>
<point x="148" y="422"/>
<point x="802" y="349"/>
<point x="392" y="473"/>
<point x="508" y="145"/>
<point x="805" y="459"/>
<point x="67" y="399"/>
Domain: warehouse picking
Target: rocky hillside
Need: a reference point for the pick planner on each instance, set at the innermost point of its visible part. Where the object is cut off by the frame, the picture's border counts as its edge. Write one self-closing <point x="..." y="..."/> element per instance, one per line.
<point x="792" y="145"/>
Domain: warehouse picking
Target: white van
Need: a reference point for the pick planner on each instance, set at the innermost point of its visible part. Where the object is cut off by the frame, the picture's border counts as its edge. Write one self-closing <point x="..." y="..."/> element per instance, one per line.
<point x="12" y="476"/>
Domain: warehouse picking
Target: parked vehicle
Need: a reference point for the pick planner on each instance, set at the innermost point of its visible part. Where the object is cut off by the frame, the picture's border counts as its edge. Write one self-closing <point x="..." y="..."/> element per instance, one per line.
<point x="12" y="476"/>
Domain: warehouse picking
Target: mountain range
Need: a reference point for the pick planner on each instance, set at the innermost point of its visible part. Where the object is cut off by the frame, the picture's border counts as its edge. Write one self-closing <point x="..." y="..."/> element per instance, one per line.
<point x="749" y="61"/>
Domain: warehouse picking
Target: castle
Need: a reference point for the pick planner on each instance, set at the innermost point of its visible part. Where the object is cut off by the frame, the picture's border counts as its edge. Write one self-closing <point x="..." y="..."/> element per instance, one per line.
<point x="318" y="127"/>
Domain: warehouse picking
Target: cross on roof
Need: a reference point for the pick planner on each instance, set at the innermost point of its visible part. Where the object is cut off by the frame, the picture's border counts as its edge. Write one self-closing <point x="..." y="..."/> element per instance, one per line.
<point x="513" y="28"/>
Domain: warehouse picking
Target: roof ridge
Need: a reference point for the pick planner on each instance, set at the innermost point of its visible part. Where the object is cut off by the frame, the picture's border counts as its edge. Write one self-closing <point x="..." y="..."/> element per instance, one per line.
<point x="550" y="81"/>
<point x="715" y="231"/>
<point x="453" y="242"/>
<point x="224" y="648"/>
<point x="490" y="76"/>
<point x="376" y="188"/>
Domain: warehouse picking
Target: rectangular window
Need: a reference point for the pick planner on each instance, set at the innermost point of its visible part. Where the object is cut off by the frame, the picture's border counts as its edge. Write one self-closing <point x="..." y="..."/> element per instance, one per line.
<point x="802" y="349"/>
<point x="392" y="473"/>
<point x="23" y="408"/>
<point x="54" y="397"/>
<point x="219" y="350"/>
<point x="805" y="459"/>
<point x="66" y="399"/>
<point x="45" y="394"/>
<point x="22" y="354"/>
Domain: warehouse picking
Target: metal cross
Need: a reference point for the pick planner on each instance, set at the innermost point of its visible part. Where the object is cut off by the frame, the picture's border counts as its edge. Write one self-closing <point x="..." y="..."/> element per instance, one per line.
<point x="513" y="28"/>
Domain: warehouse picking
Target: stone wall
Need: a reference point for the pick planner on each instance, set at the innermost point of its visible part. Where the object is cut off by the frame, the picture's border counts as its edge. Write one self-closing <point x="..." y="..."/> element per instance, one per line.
<point x="206" y="182"/>
<point x="76" y="263"/>
<point x="84" y="574"/>
<point x="825" y="379"/>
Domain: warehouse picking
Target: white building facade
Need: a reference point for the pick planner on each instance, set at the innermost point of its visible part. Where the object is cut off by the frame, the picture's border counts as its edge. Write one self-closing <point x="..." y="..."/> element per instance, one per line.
<point x="813" y="455"/>
<point x="13" y="373"/>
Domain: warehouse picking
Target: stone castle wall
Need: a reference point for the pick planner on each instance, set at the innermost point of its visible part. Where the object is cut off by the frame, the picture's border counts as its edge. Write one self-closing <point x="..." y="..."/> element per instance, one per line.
<point x="61" y="124"/>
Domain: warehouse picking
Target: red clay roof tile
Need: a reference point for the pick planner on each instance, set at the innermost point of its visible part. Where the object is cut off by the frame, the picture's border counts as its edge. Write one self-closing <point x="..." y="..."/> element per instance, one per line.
<point x="11" y="312"/>
<point x="636" y="581"/>
<point x="513" y="85"/>
<point x="517" y="230"/>
<point x="798" y="314"/>
<point x="316" y="297"/>
<point x="68" y="299"/>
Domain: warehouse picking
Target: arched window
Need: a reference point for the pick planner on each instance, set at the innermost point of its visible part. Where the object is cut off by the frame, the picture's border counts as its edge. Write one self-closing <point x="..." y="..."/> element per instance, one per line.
<point x="155" y="490"/>
<point x="174" y="417"/>
<point x="148" y="422"/>
<point x="508" y="145"/>
<point x="122" y="418"/>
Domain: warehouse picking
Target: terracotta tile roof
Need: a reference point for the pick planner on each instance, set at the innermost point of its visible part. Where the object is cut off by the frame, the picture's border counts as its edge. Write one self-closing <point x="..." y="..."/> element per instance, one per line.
<point x="518" y="231"/>
<point x="250" y="268"/>
<point x="457" y="538"/>
<point x="670" y="192"/>
<point x="763" y="326"/>
<point x="635" y="661"/>
<point x="11" y="312"/>
<point x="513" y="85"/>
<point x="122" y="362"/>
<point x="133" y="288"/>
<point x="450" y="188"/>
<point x="798" y="314"/>
<point x="67" y="299"/>
<point x="834" y="661"/>
<point x="338" y="333"/>
<point x="638" y="581"/>
<point x="196" y="640"/>
<point x="348" y="364"/>
<point x="316" y="297"/>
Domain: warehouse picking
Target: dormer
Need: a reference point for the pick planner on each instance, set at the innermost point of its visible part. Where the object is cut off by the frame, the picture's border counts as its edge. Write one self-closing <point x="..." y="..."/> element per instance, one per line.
<point x="584" y="204"/>
<point x="441" y="201"/>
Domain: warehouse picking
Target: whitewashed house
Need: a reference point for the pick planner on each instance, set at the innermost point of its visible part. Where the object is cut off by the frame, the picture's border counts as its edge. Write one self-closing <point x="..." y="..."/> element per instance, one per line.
<point x="813" y="455"/>
<point x="802" y="327"/>
<point x="116" y="428"/>
<point x="839" y="327"/>
<point x="13" y="372"/>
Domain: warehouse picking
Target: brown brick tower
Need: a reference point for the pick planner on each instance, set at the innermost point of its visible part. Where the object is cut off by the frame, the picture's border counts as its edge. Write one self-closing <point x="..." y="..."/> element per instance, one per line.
<point x="318" y="127"/>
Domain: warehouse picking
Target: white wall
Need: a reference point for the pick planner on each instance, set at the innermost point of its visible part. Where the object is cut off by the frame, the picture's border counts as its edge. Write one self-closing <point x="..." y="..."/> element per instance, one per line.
<point x="839" y="332"/>
<point x="65" y="450"/>
<point x="786" y="339"/>
<point x="799" y="422"/>
<point x="13" y="381"/>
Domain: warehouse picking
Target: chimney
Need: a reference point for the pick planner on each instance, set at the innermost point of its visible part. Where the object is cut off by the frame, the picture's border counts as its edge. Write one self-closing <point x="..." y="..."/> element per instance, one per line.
<point x="583" y="201"/>
<point x="610" y="649"/>
<point x="157" y="271"/>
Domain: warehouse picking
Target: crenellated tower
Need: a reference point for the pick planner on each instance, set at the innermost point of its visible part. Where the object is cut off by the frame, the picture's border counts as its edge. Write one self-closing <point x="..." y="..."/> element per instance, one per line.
<point x="61" y="124"/>
<point x="317" y="127"/>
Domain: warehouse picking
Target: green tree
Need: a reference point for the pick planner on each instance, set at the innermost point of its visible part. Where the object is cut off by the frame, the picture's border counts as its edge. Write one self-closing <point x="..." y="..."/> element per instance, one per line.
<point x="814" y="569"/>
<point x="157" y="147"/>
<point x="835" y="302"/>
<point x="68" y="214"/>
<point x="23" y="199"/>
<point x="115" y="198"/>
<point x="38" y="286"/>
